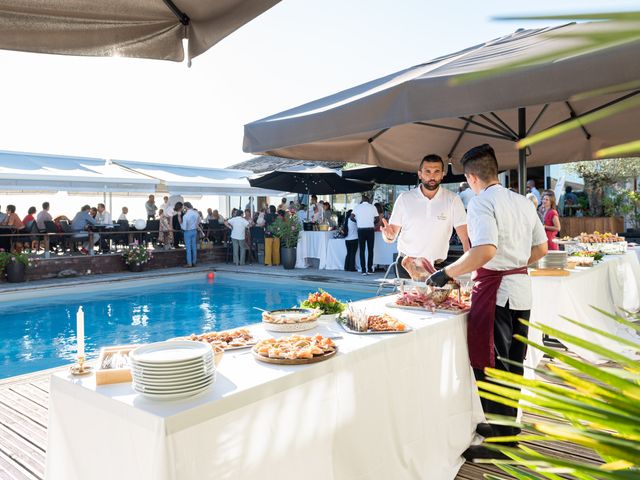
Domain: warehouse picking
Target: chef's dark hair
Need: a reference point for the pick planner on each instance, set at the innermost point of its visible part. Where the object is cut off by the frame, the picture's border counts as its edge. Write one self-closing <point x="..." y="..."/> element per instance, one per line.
<point x="481" y="162"/>
<point x="432" y="158"/>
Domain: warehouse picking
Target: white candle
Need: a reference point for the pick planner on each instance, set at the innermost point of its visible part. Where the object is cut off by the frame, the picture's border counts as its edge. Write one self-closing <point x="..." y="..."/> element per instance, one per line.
<point x="80" y="331"/>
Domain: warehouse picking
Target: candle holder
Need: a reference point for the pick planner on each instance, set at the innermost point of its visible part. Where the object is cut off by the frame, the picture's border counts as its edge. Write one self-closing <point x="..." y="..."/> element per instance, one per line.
<point x="80" y="368"/>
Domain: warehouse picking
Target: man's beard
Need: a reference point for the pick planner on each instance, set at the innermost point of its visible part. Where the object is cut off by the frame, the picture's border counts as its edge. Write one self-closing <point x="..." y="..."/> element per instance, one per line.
<point x="431" y="185"/>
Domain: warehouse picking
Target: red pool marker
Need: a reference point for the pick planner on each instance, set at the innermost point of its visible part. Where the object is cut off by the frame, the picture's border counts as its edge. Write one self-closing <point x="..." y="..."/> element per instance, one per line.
<point x="210" y="275"/>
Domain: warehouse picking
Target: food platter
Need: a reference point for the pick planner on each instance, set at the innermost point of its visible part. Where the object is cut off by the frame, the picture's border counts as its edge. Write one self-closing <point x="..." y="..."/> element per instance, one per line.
<point x="427" y="310"/>
<point x="295" y="361"/>
<point x="346" y="328"/>
<point x="294" y="350"/>
<point x="236" y="339"/>
<point x="290" y="319"/>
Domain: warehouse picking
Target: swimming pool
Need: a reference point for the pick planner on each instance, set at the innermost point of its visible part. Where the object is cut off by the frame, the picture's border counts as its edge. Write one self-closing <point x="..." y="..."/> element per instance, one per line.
<point x="40" y="333"/>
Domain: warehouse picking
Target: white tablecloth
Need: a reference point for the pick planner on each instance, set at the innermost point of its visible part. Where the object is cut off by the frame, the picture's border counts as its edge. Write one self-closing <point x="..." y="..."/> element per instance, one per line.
<point x="610" y="285"/>
<point x="386" y="407"/>
<point x="312" y="245"/>
<point x="337" y="251"/>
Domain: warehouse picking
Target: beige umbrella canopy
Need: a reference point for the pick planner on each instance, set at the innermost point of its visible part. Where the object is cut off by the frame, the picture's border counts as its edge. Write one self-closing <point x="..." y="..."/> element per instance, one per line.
<point x="140" y="29"/>
<point x="394" y="121"/>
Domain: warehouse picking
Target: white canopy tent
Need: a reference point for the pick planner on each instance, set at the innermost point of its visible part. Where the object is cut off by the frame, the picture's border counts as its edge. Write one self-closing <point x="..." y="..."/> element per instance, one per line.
<point x="29" y="172"/>
<point x="185" y="180"/>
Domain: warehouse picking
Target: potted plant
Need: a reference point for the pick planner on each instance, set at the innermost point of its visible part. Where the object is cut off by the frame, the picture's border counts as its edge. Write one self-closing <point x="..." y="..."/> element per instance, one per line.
<point x="322" y="300"/>
<point x="14" y="264"/>
<point x="136" y="256"/>
<point x="287" y="229"/>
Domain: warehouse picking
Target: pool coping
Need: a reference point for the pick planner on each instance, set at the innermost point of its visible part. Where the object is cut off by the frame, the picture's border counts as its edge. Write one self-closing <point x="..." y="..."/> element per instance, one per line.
<point x="21" y="291"/>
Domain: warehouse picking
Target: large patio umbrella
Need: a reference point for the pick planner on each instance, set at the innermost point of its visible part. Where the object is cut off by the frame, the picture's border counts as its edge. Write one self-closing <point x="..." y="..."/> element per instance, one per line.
<point x="395" y="120"/>
<point x="302" y="179"/>
<point x="140" y="29"/>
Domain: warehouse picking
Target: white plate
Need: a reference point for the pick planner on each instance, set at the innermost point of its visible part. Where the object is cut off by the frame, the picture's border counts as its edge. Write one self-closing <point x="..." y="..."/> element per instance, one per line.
<point x="153" y="374"/>
<point x="205" y="362"/>
<point x="171" y="381"/>
<point x="161" y="353"/>
<point x="174" y="396"/>
<point x="185" y="363"/>
<point x="170" y="378"/>
<point x="167" y="391"/>
<point x="172" y="389"/>
<point x="290" y="327"/>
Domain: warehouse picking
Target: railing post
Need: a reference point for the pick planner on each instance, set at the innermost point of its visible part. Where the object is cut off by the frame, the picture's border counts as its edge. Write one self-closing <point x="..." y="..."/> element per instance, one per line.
<point x="91" y="245"/>
<point x="46" y="245"/>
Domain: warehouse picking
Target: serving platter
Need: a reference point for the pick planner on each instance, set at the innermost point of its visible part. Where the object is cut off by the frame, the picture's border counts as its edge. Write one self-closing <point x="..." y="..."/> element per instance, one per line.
<point x="426" y="310"/>
<point x="295" y="361"/>
<point x="346" y="328"/>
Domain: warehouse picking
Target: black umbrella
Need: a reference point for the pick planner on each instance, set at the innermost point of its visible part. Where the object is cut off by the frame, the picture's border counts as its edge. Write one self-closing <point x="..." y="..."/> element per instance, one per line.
<point x="302" y="179"/>
<point x="387" y="176"/>
<point x="381" y="175"/>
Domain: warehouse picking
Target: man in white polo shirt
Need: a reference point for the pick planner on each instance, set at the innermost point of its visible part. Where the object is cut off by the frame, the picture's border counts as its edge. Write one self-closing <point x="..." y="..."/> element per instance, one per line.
<point x="507" y="236"/>
<point x="425" y="218"/>
<point x="365" y="215"/>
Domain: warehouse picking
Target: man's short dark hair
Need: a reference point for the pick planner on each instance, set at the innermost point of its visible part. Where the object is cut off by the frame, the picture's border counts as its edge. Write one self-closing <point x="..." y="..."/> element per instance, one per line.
<point x="85" y="208"/>
<point x="272" y="209"/>
<point x="569" y="189"/>
<point x="45" y="205"/>
<point x="432" y="158"/>
<point x="481" y="162"/>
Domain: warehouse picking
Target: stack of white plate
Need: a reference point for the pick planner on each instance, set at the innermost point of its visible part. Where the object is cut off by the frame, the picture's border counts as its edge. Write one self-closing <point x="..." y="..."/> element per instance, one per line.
<point x="554" y="259"/>
<point x="172" y="370"/>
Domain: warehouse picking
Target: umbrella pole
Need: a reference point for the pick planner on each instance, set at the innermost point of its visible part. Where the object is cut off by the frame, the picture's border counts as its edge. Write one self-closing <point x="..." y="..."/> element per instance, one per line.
<point x="522" y="154"/>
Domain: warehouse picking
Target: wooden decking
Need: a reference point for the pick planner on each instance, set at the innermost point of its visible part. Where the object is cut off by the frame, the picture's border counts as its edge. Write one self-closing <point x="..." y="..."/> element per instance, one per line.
<point x="23" y="433"/>
<point x="23" y="427"/>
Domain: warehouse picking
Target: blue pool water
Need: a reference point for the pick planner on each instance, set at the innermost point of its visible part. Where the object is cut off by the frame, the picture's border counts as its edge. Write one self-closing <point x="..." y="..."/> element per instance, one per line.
<point x="39" y="333"/>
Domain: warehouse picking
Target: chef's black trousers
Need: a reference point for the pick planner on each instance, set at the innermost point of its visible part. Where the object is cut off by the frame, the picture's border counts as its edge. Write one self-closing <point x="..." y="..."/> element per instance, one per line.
<point x="505" y="326"/>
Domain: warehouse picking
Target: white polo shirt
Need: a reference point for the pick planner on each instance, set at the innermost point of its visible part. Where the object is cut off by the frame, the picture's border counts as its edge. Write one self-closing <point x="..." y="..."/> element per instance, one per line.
<point x="508" y="221"/>
<point x="365" y="214"/>
<point x="427" y="225"/>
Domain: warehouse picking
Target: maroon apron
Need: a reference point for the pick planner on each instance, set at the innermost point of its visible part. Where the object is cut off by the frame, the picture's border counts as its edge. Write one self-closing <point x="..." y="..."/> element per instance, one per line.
<point x="483" y="313"/>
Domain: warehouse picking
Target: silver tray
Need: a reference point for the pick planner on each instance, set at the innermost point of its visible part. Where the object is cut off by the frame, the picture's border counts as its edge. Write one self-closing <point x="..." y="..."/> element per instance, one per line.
<point x="426" y="310"/>
<point x="354" y="332"/>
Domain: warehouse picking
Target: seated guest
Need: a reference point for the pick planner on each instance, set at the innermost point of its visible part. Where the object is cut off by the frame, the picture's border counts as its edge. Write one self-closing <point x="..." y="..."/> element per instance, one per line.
<point x="103" y="217"/>
<point x="292" y="206"/>
<point x="93" y="211"/>
<point x="209" y="214"/>
<point x="43" y="216"/>
<point x="29" y="218"/>
<point x="217" y="218"/>
<point x="123" y="215"/>
<point x="13" y="220"/>
<point x="83" y="222"/>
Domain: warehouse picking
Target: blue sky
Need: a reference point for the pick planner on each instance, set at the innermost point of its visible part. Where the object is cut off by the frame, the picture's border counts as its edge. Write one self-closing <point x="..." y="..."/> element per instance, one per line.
<point x="296" y="52"/>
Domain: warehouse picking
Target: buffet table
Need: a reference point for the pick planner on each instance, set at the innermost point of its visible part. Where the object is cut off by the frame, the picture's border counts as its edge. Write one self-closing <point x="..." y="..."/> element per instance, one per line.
<point x="387" y="406"/>
<point x="331" y="251"/>
<point x="612" y="284"/>
<point x="312" y="244"/>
